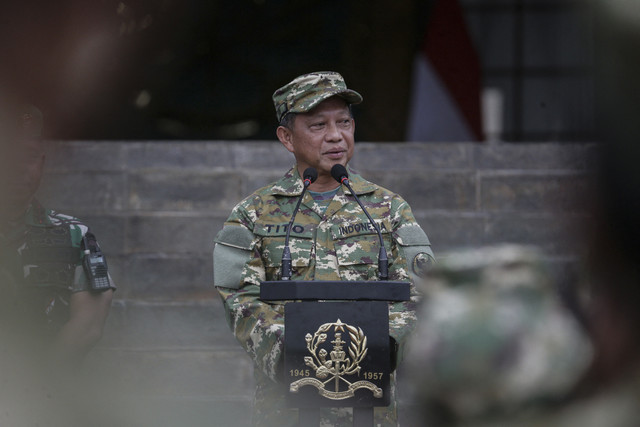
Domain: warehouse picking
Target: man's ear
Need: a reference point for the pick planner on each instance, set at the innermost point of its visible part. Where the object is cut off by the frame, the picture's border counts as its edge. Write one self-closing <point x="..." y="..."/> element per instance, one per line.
<point x="285" y="136"/>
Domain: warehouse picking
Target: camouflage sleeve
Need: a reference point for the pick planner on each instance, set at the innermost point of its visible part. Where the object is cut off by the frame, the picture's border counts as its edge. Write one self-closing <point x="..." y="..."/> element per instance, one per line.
<point x="257" y="325"/>
<point x="412" y="255"/>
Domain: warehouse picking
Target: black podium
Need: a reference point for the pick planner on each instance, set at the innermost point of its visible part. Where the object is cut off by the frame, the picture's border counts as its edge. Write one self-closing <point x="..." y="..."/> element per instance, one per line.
<point x="336" y="351"/>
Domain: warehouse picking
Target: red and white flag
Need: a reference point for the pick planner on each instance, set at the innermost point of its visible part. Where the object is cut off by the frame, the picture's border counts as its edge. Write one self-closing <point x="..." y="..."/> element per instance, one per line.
<point x="445" y="104"/>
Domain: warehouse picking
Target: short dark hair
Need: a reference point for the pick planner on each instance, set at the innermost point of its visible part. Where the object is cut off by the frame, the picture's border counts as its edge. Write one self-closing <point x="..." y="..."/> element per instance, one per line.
<point x="288" y="119"/>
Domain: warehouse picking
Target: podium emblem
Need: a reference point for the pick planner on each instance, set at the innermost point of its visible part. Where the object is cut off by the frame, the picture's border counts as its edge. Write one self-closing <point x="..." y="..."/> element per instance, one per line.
<point x="332" y="365"/>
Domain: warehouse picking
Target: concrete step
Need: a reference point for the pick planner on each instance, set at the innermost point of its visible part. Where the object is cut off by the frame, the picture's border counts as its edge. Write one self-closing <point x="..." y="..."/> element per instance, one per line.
<point x="177" y="364"/>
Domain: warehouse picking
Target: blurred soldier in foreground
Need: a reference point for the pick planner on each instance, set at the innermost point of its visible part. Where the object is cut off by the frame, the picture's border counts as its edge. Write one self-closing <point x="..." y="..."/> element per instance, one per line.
<point x="55" y="289"/>
<point x="327" y="241"/>
<point x="493" y="338"/>
<point x="498" y="346"/>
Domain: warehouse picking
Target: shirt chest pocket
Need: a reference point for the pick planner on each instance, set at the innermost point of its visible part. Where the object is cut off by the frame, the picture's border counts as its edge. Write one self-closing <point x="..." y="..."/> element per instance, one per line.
<point x="357" y="247"/>
<point x="272" y="239"/>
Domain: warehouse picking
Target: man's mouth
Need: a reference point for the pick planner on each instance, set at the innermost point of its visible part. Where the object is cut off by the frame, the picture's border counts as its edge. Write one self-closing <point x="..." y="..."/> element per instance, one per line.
<point x="334" y="154"/>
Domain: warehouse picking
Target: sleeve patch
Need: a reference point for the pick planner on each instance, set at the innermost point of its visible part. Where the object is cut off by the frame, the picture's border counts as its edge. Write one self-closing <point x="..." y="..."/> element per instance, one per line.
<point x="422" y="263"/>
<point x="236" y="236"/>
<point x="233" y="249"/>
<point x="412" y="235"/>
<point x="417" y="250"/>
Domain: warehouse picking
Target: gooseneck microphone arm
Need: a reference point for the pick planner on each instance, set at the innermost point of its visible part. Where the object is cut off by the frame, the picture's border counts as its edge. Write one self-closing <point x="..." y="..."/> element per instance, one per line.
<point x="339" y="173"/>
<point x="309" y="176"/>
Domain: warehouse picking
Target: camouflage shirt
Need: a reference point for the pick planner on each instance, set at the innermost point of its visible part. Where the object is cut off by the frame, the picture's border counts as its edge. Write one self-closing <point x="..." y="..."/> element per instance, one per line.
<point x="40" y="267"/>
<point x="336" y="243"/>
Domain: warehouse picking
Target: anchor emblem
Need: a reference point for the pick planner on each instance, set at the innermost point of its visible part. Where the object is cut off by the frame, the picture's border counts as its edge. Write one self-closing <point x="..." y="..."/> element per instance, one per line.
<point x="331" y="372"/>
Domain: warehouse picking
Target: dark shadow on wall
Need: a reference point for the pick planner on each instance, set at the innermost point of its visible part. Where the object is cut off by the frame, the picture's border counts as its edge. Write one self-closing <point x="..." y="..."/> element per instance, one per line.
<point x="204" y="70"/>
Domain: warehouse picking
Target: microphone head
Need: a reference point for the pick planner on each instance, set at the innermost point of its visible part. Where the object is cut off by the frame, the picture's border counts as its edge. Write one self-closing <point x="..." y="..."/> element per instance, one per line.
<point x="310" y="174"/>
<point x="338" y="172"/>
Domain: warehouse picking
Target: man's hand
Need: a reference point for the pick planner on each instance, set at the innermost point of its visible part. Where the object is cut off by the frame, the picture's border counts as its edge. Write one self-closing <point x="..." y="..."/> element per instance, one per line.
<point x="87" y="315"/>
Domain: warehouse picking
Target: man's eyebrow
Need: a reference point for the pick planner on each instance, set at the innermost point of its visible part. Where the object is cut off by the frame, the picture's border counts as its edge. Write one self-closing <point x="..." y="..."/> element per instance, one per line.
<point x="313" y="116"/>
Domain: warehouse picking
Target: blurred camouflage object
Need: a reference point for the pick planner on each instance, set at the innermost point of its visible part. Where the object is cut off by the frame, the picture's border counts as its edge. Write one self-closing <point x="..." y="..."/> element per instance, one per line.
<point x="493" y="337"/>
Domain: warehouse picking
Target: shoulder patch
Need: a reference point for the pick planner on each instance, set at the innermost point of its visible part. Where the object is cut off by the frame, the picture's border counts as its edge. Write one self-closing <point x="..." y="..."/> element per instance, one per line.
<point x="417" y="249"/>
<point x="231" y="252"/>
<point x="412" y="235"/>
<point x="235" y="236"/>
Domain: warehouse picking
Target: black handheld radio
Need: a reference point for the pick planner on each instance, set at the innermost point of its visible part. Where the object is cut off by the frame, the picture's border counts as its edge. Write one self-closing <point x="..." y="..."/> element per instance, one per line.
<point x="95" y="264"/>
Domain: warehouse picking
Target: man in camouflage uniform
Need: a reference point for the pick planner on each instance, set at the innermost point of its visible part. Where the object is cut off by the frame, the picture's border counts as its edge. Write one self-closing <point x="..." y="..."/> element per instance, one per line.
<point x="330" y="240"/>
<point x="46" y="303"/>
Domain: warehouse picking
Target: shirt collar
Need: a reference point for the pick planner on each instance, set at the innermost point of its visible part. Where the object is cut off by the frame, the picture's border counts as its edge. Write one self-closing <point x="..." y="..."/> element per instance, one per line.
<point x="291" y="183"/>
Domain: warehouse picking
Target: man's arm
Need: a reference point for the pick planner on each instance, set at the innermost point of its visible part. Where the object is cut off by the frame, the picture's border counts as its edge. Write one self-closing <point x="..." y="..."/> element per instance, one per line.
<point x="88" y="308"/>
<point x="238" y="271"/>
<point x="412" y="256"/>
<point x="258" y="326"/>
<point x="87" y="315"/>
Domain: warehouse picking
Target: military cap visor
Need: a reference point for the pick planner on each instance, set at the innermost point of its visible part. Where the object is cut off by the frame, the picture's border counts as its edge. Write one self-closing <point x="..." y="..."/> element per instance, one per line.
<point x="307" y="91"/>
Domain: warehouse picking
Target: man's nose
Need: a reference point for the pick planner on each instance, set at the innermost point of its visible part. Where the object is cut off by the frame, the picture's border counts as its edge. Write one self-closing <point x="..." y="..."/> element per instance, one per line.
<point x="333" y="133"/>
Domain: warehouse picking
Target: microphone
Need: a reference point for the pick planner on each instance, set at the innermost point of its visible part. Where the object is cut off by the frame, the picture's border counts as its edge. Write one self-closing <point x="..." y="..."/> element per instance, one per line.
<point x="309" y="176"/>
<point x="339" y="173"/>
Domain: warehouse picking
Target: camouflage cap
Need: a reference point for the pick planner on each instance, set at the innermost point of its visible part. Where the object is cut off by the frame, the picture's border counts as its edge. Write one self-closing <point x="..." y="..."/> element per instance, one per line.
<point x="307" y="91"/>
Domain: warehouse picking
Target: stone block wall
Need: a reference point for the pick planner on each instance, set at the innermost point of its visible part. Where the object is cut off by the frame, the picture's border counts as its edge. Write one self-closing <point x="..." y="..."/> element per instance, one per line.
<point x="157" y="206"/>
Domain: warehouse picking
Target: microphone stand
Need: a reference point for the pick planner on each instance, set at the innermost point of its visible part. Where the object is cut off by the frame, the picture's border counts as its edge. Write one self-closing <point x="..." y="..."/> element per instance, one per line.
<point x="310" y="175"/>
<point x="339" y="173"/>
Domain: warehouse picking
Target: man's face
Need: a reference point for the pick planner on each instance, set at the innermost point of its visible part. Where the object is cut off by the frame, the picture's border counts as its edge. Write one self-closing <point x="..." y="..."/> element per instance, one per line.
<point x="322" y="137"/>
<point x="22" y="167"/>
